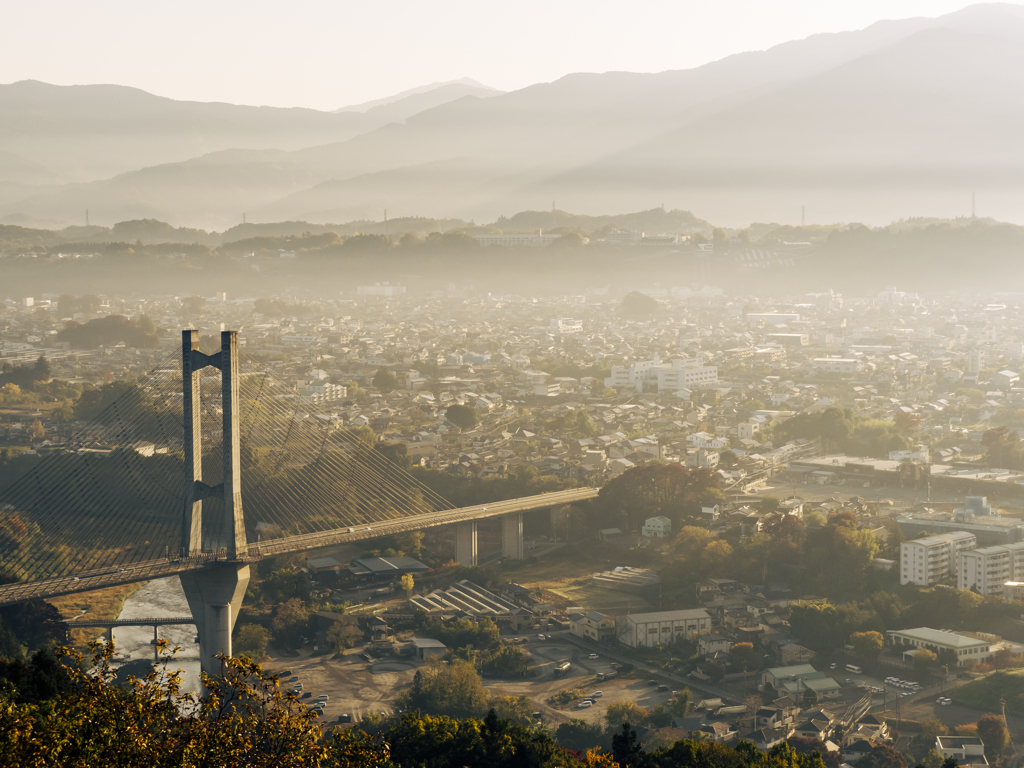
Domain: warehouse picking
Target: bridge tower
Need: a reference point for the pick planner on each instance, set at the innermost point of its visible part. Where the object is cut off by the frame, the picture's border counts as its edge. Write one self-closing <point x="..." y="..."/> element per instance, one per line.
<point x="215" y="593"/>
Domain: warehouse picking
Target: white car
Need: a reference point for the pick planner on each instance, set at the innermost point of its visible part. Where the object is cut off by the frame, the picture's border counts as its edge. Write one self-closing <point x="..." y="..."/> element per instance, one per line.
<point x="541" y="637"/>
<point x="593" y="656"/>
<point x="585" y="705"/>
<point x="597" y="694"/>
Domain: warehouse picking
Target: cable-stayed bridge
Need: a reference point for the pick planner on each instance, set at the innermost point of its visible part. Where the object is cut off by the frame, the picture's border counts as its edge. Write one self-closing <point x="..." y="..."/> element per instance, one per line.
<point x="154" y="486"/>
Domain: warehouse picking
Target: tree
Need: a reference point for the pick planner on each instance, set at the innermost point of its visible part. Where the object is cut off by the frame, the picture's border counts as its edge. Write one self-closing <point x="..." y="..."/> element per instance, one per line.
<point x="924" y="660"/>
<point x="462" y="416"/>
<point x="867" y="645"/>
<point x="36" y="431"/>
<point x="992" y="731"/>
<point x="625" y="711"/>
<point x="578" y="735"/>
<point x="251" y="641"/>
<point x="455" y="690"/>
<point x="626" y="748"/>
<point x="385" y="381"/>
<point x="407" y="583"/>
<point x="679" y="705"/>
<point x="290" y="622"/>
<point x="343" y="634"/>
<point x="639" y="306"/>
<point x="745" y="656"/>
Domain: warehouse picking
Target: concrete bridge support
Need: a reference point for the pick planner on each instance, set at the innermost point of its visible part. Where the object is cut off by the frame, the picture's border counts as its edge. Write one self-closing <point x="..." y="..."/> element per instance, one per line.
<point x="215" y="597"/>
<point x="215" y="593"/>
<point x="465" y="543"/>
<point x="512" y="536"/>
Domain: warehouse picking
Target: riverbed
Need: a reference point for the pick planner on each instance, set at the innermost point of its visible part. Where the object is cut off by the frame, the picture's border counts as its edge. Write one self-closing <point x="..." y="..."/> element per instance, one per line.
<point x="160" y="598"/>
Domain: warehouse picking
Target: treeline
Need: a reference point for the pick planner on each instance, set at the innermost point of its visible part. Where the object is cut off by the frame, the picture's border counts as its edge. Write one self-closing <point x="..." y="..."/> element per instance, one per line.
<point x="842" y="430"/>
<point x="59" y="709"/>
<point x="111" y="330"/>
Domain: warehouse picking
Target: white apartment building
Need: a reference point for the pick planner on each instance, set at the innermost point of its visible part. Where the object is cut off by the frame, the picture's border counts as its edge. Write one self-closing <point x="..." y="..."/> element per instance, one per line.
<point x="680" y="373"/>
<point x="381" y="289"/>
<point x="517" y="241"/>
<point x="931" y="559"/>
<point x="773" y="318"/>
<point x="322" y="392"/>
<point x="987" y="569"/>
<point x="837" y="364"/>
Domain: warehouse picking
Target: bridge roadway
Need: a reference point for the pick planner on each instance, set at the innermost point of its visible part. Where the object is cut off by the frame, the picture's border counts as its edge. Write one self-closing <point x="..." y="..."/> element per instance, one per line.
<point x="143" y="622"/>
<point x="131" y="573"/>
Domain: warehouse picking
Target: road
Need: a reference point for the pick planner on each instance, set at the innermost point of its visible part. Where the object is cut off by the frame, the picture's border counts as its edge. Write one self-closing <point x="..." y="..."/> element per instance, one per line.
<point x="154" y="569"/>
<point x="606" y="651"/>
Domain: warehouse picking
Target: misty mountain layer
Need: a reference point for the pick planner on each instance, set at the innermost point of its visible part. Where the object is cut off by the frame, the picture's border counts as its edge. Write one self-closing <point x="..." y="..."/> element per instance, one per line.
<point x="902" y="118"/>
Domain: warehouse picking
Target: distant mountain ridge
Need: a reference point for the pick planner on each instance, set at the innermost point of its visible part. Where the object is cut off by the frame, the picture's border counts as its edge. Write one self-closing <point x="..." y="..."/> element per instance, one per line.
<point x="901" y="118"/>
<point x="467" y="83"/>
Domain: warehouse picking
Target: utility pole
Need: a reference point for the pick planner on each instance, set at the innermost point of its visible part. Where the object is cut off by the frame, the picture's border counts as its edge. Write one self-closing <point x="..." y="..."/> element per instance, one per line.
<point x="385" y="222"/>
<point x="87" y="217"/>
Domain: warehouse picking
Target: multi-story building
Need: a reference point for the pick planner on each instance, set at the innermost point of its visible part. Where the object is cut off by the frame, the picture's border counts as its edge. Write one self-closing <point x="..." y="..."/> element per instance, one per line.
<point x="323" y="391"/>
<point x="929" y="560"/>
<point x="680" y="373"/>
<point x="838" y="364"/>
<point x="987" y="569"/>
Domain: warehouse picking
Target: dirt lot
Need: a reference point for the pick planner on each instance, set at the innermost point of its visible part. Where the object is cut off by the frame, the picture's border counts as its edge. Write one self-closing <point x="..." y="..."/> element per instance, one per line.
<point x="356" y="687"/>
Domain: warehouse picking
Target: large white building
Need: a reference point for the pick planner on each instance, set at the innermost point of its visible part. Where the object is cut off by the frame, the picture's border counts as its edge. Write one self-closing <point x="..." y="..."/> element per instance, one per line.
<point x="909" y="641"/>
<point x="929" y="560"/>
<point x="837" y="364"/>
<point x="680" y="373"/>
<point x="987" y="569"/>
<point x="517" y="241"/>
<point x="661" y="628"/>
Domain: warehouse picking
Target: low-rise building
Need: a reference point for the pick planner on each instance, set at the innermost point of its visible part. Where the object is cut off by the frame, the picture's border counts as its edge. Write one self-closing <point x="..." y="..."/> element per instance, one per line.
<point x="966" y="750"/>
<point x="909" y="641"/>
<point x="661" y="628"/>
<point x="593" y="625"/>
<point x="659" y="527"/>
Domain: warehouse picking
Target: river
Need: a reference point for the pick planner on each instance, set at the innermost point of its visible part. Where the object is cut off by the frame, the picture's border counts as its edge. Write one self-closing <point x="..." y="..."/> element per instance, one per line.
<point x="157" y="599"/>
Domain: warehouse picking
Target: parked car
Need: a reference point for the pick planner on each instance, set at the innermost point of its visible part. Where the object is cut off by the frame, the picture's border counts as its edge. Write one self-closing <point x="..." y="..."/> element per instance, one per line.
<point x="345" y="718"/>
<point x="593" y="656"/>
<point x="584" y="704"/>
<point x="597" y="694"/>
<point x="541" y="637"/>
<point x="662" y="687"/>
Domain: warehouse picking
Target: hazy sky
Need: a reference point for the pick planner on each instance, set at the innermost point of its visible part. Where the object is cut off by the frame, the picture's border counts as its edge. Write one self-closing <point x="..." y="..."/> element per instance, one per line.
<point x="329" y="53"/>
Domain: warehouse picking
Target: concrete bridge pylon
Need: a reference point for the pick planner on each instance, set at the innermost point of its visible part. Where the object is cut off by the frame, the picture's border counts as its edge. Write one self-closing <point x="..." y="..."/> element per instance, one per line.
<point x="215" y="593"/>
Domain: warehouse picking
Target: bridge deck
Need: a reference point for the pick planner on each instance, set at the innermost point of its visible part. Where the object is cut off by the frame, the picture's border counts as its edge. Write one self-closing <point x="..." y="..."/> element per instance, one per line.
<point x="156" y="569"/>
<point x="151" y="622"/>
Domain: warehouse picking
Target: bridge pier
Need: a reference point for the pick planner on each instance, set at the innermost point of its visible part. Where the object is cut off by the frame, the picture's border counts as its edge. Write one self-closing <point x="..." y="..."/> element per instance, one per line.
<point x="512" y="536"/>
<point x="465" y="543"/>
<point x="215" y="597"/>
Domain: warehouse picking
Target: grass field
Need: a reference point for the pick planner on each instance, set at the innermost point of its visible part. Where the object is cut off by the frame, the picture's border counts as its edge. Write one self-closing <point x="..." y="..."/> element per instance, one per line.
<point x="986" y="692"/>
<point x="99" y="605"/>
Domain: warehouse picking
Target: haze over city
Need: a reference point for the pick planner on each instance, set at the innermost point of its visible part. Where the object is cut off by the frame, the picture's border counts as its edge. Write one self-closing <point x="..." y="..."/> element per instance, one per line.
<point x="564" y="385"/>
